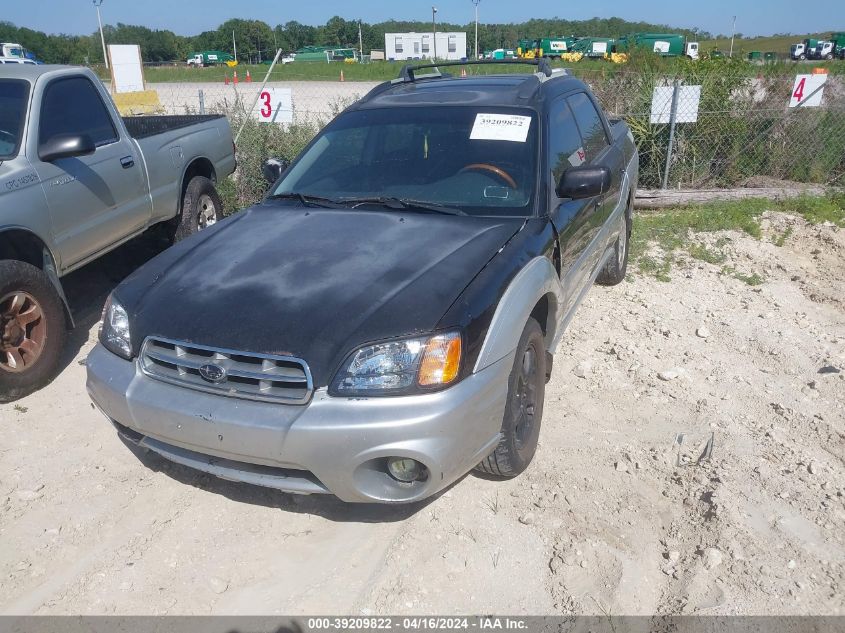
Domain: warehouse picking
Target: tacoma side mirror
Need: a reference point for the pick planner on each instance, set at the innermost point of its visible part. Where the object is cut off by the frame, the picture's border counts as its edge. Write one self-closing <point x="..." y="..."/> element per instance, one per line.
<point x="273" y="169"/>
<point x="585" y="181"/>
<point x="66" y="146"/>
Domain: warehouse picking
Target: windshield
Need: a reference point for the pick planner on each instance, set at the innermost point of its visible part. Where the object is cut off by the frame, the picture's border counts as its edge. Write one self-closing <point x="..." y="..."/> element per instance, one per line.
<point x="479" y="160"/>
<point x="13" y="98"/>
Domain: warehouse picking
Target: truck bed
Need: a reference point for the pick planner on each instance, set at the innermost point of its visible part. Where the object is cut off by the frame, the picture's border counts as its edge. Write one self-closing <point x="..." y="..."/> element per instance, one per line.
<point x="144" y="126"/>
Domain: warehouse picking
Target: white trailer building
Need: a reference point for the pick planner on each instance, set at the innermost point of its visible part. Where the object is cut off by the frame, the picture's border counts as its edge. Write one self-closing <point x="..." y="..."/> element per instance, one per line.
<point x="404" y="46"/>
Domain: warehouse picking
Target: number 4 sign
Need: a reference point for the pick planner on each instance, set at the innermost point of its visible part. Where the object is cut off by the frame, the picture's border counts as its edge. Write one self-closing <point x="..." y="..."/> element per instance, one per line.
<point x="275" y="105"/>
<point x="807" y="91"/>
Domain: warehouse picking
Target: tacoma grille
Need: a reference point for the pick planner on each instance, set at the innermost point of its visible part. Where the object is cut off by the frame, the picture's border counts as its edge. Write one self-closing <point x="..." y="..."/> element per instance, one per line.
<point x="247" y="375"/>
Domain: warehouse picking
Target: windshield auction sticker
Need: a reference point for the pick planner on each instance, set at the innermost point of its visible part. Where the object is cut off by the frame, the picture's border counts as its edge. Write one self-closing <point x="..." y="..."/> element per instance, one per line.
<point x="500" y="127"/>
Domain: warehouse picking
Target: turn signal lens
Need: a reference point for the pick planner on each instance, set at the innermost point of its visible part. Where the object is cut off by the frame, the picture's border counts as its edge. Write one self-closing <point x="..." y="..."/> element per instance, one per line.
<point x="441" y="360"/>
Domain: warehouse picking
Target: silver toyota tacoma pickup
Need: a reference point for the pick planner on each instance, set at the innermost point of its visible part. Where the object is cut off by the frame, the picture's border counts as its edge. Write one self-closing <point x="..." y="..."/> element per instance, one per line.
<point x="77" y="180"/>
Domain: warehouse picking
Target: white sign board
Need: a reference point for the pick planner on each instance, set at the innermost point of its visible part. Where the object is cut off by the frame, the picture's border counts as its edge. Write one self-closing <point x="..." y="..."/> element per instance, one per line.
<point x="688" y="99"/>
<point x="600" y="47"/>
<point x="275" y="105"/>
<point x="127" y="71"/>
<point x="807" y="91"/>
<point x="500" y="127"/>
<point x="557" y="45"/>
<point x="661" y="47"/>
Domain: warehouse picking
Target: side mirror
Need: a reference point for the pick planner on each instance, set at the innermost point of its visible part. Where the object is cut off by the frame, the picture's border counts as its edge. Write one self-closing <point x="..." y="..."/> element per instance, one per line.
<point x="273" y="168"/>
<point x="66" y="146"/>
<point x="585" y="181"/>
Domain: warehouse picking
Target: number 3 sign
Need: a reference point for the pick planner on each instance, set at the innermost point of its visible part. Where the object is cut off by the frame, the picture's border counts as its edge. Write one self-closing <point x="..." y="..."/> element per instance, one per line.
<point x="275" y="105"/>
<point x="807" y="91"/>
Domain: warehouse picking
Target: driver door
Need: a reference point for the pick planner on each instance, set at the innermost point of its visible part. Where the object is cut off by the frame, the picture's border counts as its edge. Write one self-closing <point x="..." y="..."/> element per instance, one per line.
<point x="574" y="220"/>
<point x="98" y="200"/>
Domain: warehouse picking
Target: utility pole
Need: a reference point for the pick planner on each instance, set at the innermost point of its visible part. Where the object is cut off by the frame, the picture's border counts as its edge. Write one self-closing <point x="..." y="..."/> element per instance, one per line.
<point x="360" y="42"/>
<point x="733" y="32"/>
<point x="475" y="2"/>
<point x="234" y="45"/>
<point x="98" y="3"/>
<point x="434" y="30"/>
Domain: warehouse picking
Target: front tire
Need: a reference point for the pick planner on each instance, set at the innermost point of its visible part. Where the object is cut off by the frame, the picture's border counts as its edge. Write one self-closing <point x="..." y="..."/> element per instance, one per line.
<point x="524" y="408"/>
<point x="33" y="329"/>
<point x="201" y="208"/>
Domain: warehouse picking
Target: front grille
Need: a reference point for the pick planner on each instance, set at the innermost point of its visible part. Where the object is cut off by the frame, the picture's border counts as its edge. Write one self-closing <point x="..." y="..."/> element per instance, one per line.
<point x="247" y="375"/>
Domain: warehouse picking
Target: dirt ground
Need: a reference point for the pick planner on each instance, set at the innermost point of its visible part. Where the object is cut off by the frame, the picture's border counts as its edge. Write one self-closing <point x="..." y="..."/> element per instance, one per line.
<point x="615" y="515"/>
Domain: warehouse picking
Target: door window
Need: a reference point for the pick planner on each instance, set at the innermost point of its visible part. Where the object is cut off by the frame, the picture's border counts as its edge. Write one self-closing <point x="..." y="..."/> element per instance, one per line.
<point x="590" y="124"/>
<point x="565" y="146"/>
<point x="73" y="106"/>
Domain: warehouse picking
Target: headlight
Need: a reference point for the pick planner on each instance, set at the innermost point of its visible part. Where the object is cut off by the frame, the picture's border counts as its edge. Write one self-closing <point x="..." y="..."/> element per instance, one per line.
<point x="114" y="335"/>
<point x="401" y="367"/>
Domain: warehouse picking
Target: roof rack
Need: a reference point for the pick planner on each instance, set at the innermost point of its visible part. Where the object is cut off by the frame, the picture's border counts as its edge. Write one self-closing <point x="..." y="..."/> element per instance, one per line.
<point x="408" y="72"/>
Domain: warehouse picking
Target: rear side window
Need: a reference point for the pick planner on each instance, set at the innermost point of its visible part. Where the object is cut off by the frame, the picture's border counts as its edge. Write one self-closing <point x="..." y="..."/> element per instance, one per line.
<point x="14" y="95"/>
<point x="565" y="148"/>
<point x="589" y="122"/>
<point x="73" y="106"/>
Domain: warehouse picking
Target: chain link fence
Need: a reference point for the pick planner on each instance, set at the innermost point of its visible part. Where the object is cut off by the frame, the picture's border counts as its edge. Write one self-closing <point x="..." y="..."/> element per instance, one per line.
<point x="743" y="133"/>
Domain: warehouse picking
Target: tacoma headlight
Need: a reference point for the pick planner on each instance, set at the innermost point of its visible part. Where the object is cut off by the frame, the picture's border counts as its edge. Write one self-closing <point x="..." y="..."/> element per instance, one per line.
<point x="401" y="367"/>
<point x="114" y="334"/>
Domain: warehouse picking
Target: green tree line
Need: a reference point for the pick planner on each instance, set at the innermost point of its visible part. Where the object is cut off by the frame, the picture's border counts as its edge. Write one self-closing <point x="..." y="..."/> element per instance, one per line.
<point x="257" y="40"/>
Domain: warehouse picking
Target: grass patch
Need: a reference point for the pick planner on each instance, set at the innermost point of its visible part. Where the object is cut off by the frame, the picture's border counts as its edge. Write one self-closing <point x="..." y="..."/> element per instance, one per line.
<point x="815" y="209"/>
<point x="659" y="269"/>
<point x="705" y="254"/>
<point x="752" y="280"/>
<point x="780" y="240"/>
<point x="673" y="230"/>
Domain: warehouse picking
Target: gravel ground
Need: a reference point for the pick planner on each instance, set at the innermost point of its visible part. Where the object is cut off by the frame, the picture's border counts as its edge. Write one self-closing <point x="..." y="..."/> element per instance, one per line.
<point x="743" y="515"/>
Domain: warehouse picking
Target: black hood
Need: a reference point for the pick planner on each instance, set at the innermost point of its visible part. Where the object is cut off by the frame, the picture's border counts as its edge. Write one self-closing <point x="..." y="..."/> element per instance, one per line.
<point x="311" y="283"/>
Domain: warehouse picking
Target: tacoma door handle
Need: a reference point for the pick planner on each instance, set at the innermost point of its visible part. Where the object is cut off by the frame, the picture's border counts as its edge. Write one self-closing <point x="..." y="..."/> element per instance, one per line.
<point x="127" y="162"/>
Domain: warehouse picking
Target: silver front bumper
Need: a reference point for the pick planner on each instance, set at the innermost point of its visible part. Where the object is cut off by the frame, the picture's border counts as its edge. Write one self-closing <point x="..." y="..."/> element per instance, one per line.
<point x="334" y="445"/>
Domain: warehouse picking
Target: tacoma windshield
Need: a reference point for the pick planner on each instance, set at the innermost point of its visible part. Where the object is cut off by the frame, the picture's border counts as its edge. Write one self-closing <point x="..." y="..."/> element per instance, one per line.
<point x="477" y="161"/>
<point x="13" y="98"/>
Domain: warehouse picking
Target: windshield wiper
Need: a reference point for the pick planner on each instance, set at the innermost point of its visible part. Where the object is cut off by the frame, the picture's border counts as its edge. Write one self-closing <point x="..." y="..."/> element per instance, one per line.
<point x="307" y="199"/>
<point x="402" y="203"/>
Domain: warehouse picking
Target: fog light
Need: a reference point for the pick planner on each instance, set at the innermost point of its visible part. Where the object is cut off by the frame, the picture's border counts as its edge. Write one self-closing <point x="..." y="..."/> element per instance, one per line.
<point x="404" y="469"/>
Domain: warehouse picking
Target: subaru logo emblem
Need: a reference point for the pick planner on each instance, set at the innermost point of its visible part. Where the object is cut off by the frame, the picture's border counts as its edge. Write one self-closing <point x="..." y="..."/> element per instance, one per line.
<point x="212" y="373"/>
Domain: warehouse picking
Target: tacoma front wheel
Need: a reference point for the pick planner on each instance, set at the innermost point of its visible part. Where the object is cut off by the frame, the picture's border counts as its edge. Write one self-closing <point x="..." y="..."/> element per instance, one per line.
<point x="32" y="329"/>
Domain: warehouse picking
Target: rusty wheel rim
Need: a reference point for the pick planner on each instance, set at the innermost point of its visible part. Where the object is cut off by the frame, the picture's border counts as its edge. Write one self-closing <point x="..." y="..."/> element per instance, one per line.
<point x="23" y="331"/>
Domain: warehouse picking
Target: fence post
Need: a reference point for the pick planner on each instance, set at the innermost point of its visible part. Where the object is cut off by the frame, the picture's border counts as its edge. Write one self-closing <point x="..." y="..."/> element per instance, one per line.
<point x="202" y="101"/>
<point x="673" y="115"/>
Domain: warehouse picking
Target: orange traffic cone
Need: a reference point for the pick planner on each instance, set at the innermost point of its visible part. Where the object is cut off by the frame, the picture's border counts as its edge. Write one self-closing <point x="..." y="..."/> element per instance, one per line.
<point x="248" y="77"/>
<point x="341" y="76"/>
<point x="226" y="80"/>
<point x="235" y="78"/>
<point x="463" y="72"/>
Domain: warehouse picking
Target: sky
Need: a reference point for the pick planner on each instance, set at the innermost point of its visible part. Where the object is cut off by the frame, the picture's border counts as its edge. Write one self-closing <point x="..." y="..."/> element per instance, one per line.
<point x="189" y="17"/>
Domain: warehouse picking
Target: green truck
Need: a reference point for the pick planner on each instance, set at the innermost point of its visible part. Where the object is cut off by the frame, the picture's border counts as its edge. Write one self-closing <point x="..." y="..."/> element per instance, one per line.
<point x="804" y="49"/>
<point x="210" y="58"/>
<point x="664" y="44"/>
<point x="830" y="49"/>
<point x="552" y="47"/>
<point x="325" y="54"/>
<point x="594" y="46"/>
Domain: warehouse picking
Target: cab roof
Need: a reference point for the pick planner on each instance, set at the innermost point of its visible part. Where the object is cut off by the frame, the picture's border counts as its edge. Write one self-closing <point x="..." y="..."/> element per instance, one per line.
<point x="505" y="90"/>
<point x="30" y="72"/>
